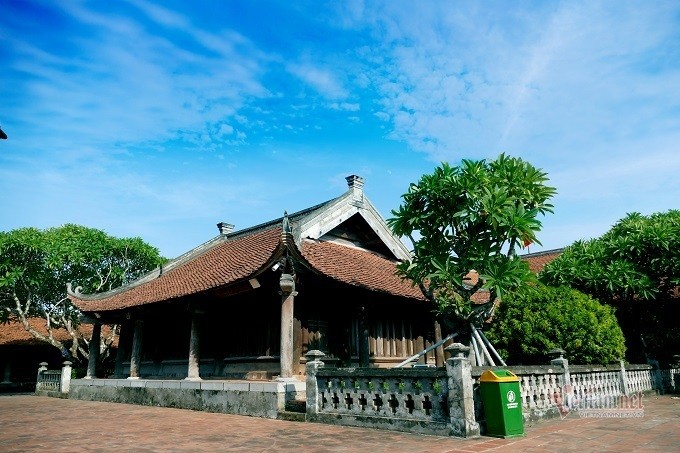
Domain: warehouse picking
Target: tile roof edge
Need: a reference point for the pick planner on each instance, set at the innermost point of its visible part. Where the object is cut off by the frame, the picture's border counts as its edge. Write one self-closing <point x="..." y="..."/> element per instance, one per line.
<point x="542" y="253"/>
<point x="74" y="293"/>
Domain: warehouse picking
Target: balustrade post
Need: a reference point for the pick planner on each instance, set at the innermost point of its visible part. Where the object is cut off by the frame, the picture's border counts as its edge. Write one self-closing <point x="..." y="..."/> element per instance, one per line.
<point x="66" y="377"/>
<point x="461" y="398"/>
<point x="559" y="359"/>
<point x="313" y="364"/>
<point x="625" y="385"/>
<point x="43" y="367"/>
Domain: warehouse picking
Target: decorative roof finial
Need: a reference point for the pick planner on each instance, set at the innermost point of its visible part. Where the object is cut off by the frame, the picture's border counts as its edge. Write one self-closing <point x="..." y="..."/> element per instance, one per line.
<point x="355" y="182"/>
<point x="286" y="223"/>
<point x="225" y="228"/>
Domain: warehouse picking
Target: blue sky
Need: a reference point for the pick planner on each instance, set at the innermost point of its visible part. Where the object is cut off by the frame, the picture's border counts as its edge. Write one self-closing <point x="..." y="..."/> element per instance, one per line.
<point x="161" y="119"/>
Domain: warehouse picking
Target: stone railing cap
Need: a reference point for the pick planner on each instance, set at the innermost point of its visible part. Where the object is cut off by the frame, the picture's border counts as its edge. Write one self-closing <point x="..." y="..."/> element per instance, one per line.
<point x="457" y="349"/>
<point x="557" y="353"/>
<point x="315" y="354"/>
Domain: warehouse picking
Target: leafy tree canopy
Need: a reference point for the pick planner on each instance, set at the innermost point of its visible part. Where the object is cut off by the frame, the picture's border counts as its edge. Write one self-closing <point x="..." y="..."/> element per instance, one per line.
<point x="535" y="319"/>
<point x="471" y="218"/>
<point x="639" y="258"/>
<point x="36" y="265"/>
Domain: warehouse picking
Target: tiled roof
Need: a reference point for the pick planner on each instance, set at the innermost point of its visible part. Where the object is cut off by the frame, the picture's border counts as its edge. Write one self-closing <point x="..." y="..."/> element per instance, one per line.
<point x="14" y="333"/>
<point x="359" y="268"/>
<point x="537" y="261"/>
<point x="224" y="263"/>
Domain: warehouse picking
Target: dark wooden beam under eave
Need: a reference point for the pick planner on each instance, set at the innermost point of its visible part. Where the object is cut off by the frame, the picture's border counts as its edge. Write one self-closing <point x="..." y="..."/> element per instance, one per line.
<point x="235" y="288"/>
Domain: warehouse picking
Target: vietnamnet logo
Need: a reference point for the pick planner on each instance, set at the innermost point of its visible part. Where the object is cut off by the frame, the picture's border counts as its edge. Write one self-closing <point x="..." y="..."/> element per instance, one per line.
<point x="588" y="405"/>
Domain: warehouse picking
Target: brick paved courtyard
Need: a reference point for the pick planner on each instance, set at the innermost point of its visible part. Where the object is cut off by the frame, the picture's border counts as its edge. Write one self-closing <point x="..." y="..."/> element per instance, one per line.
<point x="32" y="423"/>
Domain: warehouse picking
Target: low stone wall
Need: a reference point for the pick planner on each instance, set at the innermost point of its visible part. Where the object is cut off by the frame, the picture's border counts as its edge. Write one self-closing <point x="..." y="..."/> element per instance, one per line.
<point x="419" y="400"/>
<point x="259" y="399"/>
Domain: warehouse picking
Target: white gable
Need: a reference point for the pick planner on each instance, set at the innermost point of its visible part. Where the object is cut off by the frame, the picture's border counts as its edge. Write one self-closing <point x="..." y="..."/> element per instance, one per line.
<point x="326" y="223"/>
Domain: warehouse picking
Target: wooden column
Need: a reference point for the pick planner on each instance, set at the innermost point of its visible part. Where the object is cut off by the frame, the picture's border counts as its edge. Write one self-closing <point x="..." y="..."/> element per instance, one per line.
<point x="123" y="348"/>
<point x="93" y="353"/>
<point x="364" y="344"/>
<point x="7" y="373"/>
<point x="286" y="353"/>
<point x="194" y="371"/>
<point x="136" y="356"/>
<point x="439" y="350"/>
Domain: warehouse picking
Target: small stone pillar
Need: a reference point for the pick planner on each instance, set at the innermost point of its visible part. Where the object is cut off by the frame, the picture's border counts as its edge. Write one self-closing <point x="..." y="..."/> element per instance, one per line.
<point x="194" y="371"/>
<point x="286" y="354"/>
<point x="625" y="387"/>
<point x="43" y="367"/>
<point x="557" y="358"/>
<point x="66" y="377"/>
<point x="313" y="364"/>
<point x="136" y="356"/>
<point x="461" y="397"/>
<point x="93" y="353"/>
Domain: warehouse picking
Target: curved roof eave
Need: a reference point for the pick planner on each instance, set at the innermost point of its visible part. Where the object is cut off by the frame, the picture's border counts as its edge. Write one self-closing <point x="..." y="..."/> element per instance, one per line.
<point x="226" y="262"/>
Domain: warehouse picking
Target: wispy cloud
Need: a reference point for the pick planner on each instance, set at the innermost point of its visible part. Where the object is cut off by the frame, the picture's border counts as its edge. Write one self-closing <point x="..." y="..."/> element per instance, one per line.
<point x="465" y="79"/>
<point x="131" y="86"/>
<point x="323" y="80"/>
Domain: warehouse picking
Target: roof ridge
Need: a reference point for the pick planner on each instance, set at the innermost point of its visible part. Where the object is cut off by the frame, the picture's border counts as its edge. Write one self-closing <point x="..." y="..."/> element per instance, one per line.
<point x="291" y="217"/>
<point x="542" y="252"/>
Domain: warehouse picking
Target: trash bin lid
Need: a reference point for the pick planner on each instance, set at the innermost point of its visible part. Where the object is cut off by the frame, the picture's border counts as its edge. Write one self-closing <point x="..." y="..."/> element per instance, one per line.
<point x="498" y="376"/>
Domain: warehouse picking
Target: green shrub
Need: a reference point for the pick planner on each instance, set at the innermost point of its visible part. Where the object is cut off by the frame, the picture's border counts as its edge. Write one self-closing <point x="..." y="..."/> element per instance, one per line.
<point x="538" y="318"/>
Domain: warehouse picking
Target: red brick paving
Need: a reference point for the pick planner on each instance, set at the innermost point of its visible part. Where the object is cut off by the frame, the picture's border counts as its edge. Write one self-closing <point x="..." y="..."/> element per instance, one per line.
<point x="33" y="423"/>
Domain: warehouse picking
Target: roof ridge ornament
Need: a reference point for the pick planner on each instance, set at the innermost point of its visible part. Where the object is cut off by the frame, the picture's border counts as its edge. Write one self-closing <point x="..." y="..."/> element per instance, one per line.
<point x="76" y="292"/>
<point x="286" y="223"/>
<point x="225" y="228"/>
<point x="356" y="187"/>
<point x="287" y="238"/>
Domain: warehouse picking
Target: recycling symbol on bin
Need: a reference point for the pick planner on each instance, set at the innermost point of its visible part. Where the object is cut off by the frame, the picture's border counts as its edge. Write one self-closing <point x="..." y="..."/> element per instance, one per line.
<point x="511" y="396"/>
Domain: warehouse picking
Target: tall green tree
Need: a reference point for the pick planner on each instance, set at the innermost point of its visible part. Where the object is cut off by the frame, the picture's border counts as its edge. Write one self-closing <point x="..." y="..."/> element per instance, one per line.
<point x="36" y="265"/>
<point x="635" y="267"/>
<point x="470" y="219"/>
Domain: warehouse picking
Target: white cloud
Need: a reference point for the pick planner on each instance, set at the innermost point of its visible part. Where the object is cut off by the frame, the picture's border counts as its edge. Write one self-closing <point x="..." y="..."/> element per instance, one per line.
<point x="345" y="106"/>
<point x="324" y="81"/>
<point x="225" y="129"/>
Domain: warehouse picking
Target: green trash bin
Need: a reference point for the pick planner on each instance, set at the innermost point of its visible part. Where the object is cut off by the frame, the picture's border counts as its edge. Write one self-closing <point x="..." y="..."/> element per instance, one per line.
<point x="502" y="403"/>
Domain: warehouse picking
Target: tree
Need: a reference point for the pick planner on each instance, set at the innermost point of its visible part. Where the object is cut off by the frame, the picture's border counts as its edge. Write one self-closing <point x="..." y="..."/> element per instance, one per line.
<point x="635" y="267"/>
<point x="545" y="318"/>
<point x="471" y="219"/>
<point x="36" y="265"/>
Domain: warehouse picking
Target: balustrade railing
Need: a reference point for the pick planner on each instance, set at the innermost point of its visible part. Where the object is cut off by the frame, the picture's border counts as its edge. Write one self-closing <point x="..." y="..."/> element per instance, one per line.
<point x="53" y="380"/>
<point x="412" y="394"/>
<point x="49" y="380"/>
<point x="670" y="379"/>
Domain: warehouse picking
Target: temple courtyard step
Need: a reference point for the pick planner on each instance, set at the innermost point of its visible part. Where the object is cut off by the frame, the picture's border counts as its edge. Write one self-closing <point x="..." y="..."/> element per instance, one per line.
<point x="291" y="416"/>
<point x="295" y="411"/>
<point x="299" y="406"/>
